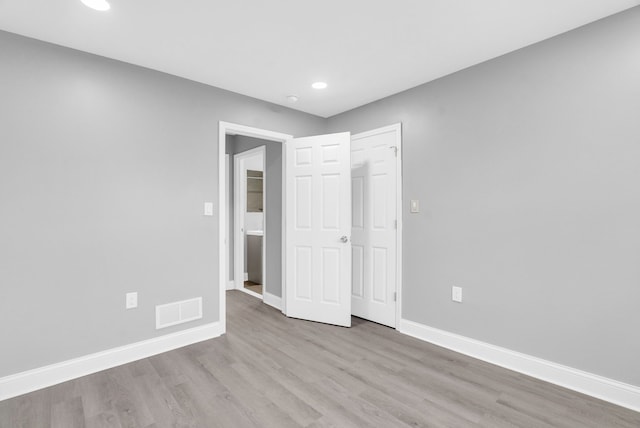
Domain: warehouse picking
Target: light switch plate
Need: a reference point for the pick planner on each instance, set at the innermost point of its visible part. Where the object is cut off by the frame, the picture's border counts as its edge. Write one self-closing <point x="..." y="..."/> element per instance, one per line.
<point x="208" y="208"/>
<point x="415" y="206"/>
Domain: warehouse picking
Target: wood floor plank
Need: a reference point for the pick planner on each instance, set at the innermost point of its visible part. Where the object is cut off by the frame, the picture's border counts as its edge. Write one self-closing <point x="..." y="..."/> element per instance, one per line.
<point x="68" y="414"/>
<point x="104" y="420"/>
<point x="30" y="410"/>
<point x="273" y="371"/>
<point x="510" y="418"/>
<point x="253" y="399"/>
<point x="129" y="404"/>
<point x="97" y="395"/>
<point x="300" y="411"/>
<point x="162" y="403"/>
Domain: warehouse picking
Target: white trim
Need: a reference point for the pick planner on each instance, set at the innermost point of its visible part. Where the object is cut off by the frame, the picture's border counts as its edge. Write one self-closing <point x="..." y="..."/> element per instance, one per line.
<point x="283" y="228"/>
<point x="230" y="285"/>
<point x="228" y="236"/>
<point x="250" y="293"/>
<point x="272" y="300"/>
<point x="264" y="220"/>
<point x="397" y="128"/>
<point x="225" y="128"/>
<point x="591" y="384"/>
<point x="32" y="380"/>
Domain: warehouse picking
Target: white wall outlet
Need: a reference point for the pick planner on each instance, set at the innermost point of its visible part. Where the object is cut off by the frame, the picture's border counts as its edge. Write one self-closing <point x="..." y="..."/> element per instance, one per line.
<point x="456" y="294"/>
<point x="415" y="206"/>
<point x="208" y="208"/>
<point x="132" y="300"/>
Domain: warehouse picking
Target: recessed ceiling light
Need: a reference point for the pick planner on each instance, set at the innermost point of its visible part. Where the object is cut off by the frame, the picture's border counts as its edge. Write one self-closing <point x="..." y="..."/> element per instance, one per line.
<point x="100" y="5"/>
<point x="292" y="98"/>
<point x="319" y="85"/>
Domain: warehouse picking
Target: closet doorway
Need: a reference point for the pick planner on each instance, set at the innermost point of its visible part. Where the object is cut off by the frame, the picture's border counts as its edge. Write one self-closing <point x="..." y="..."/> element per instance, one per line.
<point x="249" y="225"/>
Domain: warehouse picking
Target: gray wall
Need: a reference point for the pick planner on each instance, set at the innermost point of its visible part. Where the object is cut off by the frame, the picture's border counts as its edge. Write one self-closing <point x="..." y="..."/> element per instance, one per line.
<point x="527" y="168"/>
<point x="104" y="168"/>
<point x="273" y="209"/>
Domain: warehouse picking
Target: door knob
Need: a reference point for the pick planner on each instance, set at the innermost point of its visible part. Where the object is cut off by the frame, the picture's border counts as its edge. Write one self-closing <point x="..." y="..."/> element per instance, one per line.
<point x="344" y="239"/>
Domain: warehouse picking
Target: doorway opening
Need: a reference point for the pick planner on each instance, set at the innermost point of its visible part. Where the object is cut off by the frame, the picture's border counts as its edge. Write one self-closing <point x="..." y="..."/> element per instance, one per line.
<point x="260" y="232"/>
<point x="248" y="231"/>
<point x="377" y="263"/>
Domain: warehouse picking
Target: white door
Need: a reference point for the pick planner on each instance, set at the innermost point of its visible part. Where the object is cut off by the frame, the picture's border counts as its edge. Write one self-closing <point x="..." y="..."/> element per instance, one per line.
<point x="318" y="228"/>
<point x="374" y="224"/>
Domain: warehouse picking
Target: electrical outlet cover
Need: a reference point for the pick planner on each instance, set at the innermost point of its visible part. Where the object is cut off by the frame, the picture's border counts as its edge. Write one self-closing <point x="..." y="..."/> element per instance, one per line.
<point x="456" y="294"/>
<point x="131" y="300"/>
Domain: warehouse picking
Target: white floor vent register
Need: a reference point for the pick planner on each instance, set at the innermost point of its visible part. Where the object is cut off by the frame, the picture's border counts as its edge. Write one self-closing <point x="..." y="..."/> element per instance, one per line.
<point x="178" y="312"/>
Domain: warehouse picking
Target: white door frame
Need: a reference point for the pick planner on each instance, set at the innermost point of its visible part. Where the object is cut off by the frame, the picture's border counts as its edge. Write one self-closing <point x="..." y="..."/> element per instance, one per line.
<point x="225" y="128"/>
<point x="397" y="128"/>
<point x="228" y="232"/>
<point x="239" y="204"/>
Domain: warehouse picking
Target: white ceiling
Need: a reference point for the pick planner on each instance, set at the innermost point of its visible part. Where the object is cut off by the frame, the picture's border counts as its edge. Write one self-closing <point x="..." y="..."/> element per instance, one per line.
<point x="268" y="49"/>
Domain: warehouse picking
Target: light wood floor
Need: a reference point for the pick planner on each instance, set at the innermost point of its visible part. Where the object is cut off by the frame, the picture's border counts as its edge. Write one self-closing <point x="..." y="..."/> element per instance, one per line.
<point x="271" y="371"/>
<point x="256" y="288"/>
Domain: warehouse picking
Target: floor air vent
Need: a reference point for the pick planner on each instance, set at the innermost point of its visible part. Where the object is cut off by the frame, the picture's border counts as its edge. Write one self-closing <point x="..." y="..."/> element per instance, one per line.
<point x="178" y="312"/>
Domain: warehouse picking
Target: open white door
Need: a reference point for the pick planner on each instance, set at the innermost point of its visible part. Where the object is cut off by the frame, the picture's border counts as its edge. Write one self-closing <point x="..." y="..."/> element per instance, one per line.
<point x="318" y="228"/>
<point x="376" y="220"/>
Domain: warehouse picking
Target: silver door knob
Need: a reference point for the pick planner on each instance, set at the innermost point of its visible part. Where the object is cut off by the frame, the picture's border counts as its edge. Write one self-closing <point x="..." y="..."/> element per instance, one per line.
<point x="344" y="239"/>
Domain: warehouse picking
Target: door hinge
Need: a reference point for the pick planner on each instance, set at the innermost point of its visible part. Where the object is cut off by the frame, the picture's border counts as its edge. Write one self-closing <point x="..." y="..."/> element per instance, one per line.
<point x="395" y="150"/>
<point x="395" y="296"/>
<point x="395" y="224"/>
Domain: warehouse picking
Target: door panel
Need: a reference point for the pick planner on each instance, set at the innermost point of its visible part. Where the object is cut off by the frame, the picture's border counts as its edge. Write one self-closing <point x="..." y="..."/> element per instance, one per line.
<point x="380" y="278"/>
<point x="303" y="266"/>
<point x="318" y="268"/>
<point x="303" y="208"/>
<point x="357" y="266"/>
<point x="373" y="161"/>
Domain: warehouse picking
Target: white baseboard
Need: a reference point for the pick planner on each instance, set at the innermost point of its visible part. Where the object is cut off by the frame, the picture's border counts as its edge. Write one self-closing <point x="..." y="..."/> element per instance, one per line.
<point x="246" y="276"/>
<point x="231" y="285"/>
<point x="32" y="380"/>
<point x="272" y="300"/>
<point x="597" y="386"/>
